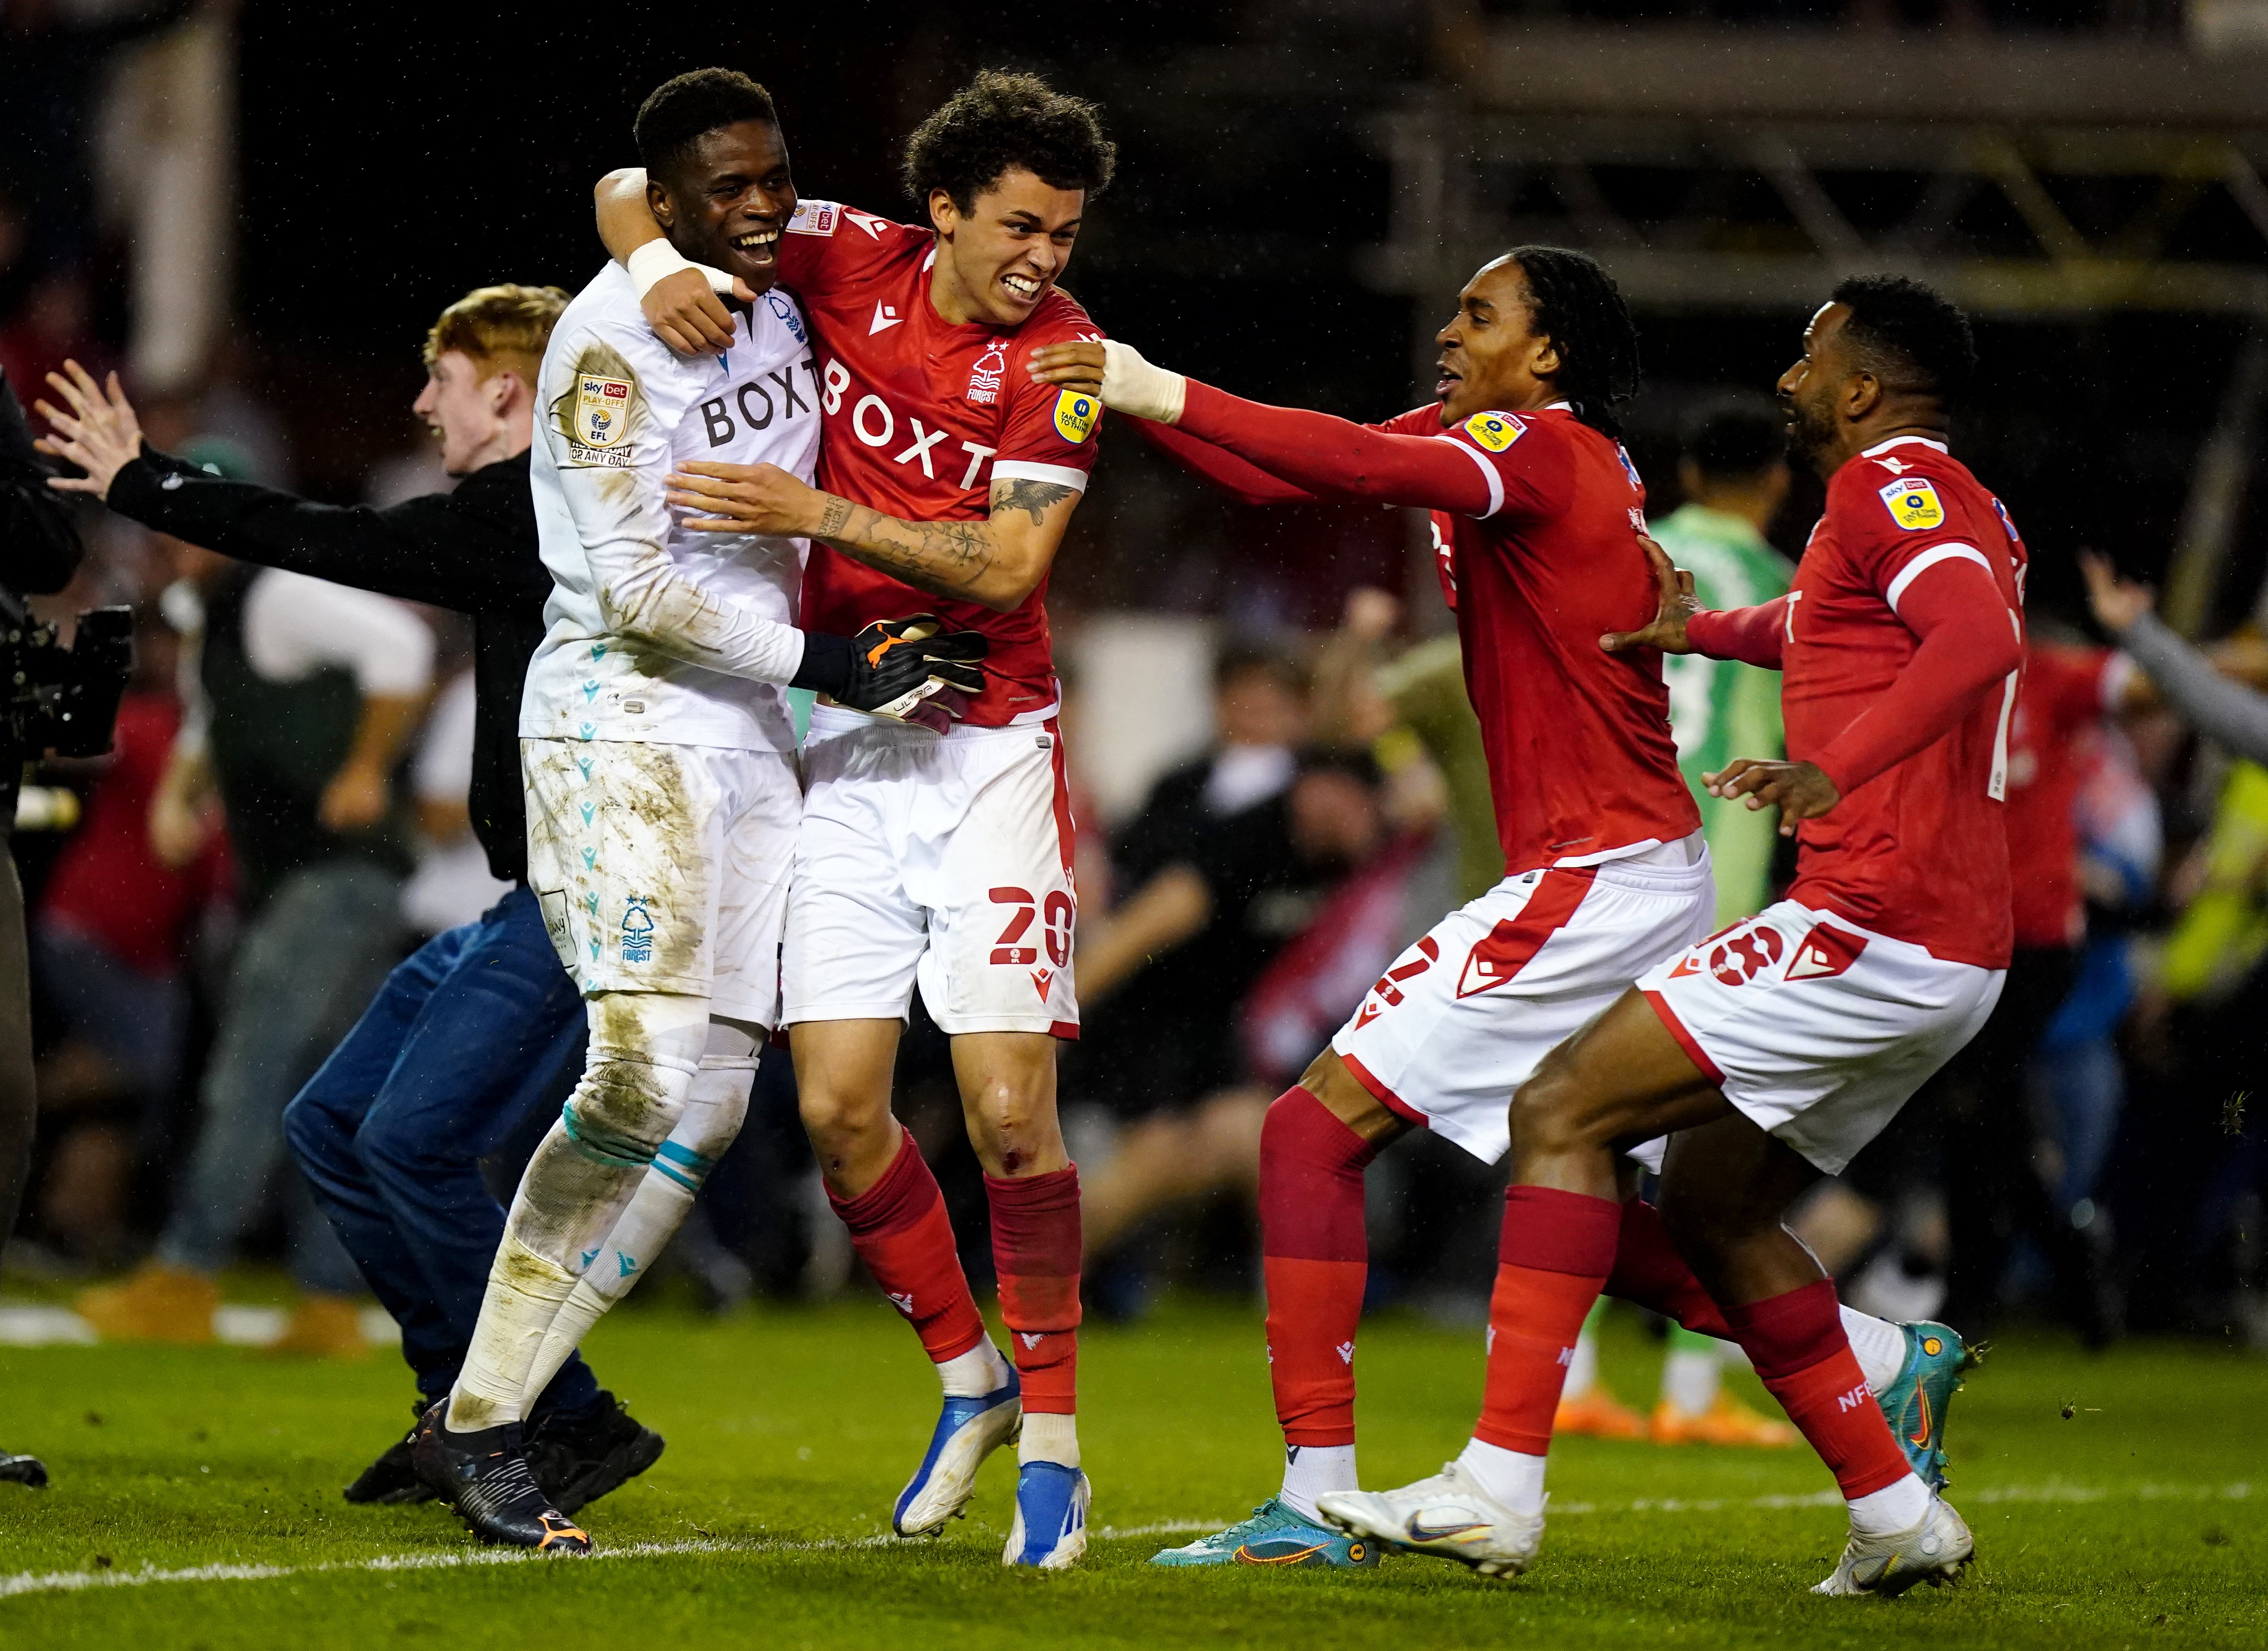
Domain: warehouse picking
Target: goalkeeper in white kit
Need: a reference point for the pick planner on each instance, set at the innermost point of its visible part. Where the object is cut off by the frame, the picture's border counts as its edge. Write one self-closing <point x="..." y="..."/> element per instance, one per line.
<point x="659" y="760"/>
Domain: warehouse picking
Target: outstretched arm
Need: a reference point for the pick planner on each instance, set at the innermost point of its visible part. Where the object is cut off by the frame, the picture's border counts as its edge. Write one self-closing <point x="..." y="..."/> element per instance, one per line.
<point x="1248" y="483"/>
<point x="1313" y="451"/>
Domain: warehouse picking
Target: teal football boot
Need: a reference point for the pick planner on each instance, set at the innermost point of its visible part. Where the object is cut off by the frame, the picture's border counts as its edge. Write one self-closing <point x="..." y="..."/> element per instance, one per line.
<point x="1276" y="1534"/>
<point x="1915" y="1404"/>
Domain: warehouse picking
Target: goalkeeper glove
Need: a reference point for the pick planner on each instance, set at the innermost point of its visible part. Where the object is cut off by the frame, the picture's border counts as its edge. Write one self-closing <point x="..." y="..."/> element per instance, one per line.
<point x="910" y="669"/>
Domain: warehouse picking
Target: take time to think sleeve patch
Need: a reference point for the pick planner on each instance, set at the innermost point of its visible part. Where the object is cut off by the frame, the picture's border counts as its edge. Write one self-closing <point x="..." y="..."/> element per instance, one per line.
<point x="1913" y="504"/>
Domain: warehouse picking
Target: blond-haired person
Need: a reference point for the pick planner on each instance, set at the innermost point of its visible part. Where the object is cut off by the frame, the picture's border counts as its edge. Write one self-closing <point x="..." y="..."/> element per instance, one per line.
<point x="480" y="1028"/>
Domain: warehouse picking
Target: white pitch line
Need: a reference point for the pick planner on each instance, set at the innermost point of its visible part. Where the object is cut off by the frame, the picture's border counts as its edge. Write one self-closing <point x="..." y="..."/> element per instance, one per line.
<point x="449" y="1559"/>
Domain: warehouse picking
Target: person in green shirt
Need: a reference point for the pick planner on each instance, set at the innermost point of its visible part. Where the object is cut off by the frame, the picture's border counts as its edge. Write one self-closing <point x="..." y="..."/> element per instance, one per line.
<point x="1733" y="472"/>
<point x="1733" y="469"/>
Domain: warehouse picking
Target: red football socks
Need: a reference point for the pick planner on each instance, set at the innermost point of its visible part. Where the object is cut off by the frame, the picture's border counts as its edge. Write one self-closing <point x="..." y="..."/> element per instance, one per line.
<point x="1801" y="1355"/>
<point x="1316" y="1257"/>
<point x="1555" y="1253"/>
<point x="900" y="1230"/>
<point x="1036" y="1250"/>
<point x="1649" y="1270"/>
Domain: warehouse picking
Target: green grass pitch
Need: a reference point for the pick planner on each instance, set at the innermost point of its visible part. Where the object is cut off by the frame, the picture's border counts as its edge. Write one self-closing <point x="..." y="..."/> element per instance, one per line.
<point x="2141" y="1520"/>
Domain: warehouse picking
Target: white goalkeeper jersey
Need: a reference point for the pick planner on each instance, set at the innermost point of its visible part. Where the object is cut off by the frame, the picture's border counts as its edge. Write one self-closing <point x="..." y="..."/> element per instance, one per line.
<point x="656" y="632"/>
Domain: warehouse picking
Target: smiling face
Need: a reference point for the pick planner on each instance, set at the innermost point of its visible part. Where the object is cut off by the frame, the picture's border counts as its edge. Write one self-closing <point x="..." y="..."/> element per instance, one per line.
<point x="463" y="409"/>
<point x="1491" y="359"/>
<point x="995" y="262"/>
<point x="728" y="200"/>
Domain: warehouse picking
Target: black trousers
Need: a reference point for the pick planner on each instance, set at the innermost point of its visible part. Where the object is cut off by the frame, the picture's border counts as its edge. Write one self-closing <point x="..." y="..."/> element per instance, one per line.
<point x="19" y="1102"/>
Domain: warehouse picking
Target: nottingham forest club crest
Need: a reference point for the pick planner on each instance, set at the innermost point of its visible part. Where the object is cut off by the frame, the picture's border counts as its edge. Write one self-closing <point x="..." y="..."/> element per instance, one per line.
<point x="602" y="410"/>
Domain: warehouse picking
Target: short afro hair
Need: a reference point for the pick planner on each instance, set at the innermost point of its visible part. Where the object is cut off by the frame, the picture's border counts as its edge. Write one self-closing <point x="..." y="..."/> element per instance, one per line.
<point x="1913" y="337"/>
<point x="999" y="122"/>
<point x="680" y="112"/>
<point x="1579" y="307"/>
<point x="1735" y="437"/>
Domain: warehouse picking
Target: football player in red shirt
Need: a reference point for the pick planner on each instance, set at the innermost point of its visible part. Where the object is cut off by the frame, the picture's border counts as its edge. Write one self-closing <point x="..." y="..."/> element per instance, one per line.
<point x="943" y="861"/>
<point x="1908" y="634"/>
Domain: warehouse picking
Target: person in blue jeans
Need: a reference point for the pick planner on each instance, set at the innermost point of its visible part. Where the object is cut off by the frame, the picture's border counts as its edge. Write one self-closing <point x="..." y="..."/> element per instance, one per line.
<point x="480" y="1031"/>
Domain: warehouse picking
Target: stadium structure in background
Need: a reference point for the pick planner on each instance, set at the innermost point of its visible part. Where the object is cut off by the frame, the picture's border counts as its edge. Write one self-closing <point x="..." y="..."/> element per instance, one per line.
<point x="2043" y="176"/>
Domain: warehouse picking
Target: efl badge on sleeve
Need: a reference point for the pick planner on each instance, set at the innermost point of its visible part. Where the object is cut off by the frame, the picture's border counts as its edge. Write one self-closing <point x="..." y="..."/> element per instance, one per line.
<point x="1913" y="504"/>
<point x="814" y="218"/>
<point x="1495" y="432"/>
<point x="1076" y="412"/>
<point x="602" y="410"/>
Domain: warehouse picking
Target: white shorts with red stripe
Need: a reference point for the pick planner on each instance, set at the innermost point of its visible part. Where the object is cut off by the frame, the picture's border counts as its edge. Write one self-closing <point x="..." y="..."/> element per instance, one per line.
<point x="1816" y="1028"/>
<point x="1464" y="1016"/>
<point x="945" y="861"/>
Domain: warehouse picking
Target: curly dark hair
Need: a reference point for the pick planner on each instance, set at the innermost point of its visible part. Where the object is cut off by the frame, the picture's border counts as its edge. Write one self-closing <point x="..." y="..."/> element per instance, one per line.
<point x="999" y="120"/>
<point x="1914" y="337"/>
<point x="1579" y="307"/>
<point x="679" y="113"/>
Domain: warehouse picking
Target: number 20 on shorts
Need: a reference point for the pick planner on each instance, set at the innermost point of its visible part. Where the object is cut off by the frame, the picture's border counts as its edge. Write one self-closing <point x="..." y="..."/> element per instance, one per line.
<point x="1010" y="949"/>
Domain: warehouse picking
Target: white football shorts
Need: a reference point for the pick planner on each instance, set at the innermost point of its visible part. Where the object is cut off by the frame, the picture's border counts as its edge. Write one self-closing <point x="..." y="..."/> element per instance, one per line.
<point x="1816" y="1028"/>
<point x="943" y="860"/>
<point x="664" y="868"/>
<point x="1463" y="1017"/>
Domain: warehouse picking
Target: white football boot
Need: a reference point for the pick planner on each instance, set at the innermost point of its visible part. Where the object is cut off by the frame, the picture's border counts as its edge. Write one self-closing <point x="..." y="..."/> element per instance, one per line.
<point x="1448" y="1515"/>
<point x="1934" y="1552"/>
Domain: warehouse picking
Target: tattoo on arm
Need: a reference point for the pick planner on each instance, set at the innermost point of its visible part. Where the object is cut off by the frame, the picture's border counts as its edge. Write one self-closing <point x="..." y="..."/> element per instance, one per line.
<point x="1037" y="497"/>
<point x="942" y="557"/>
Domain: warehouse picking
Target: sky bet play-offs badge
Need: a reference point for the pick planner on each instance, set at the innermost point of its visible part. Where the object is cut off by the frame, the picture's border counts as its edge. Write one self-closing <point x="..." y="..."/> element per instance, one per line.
<point x="1075" y="415"/>
<point x="1913" y="504"/>
<point x="1496" y="431"/>
<point x="602" y="408"/>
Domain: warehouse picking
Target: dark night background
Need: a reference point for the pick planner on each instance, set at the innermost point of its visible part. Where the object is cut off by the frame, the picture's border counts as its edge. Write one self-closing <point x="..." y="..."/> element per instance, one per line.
<point x="394" y="157"/>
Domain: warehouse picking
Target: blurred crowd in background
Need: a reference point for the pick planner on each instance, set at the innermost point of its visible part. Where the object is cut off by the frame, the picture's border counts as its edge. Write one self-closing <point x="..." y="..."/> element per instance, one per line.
<point x="1278" y="786"/>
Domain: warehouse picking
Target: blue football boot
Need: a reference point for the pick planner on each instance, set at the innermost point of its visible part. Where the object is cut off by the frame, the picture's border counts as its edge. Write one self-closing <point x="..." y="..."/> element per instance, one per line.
<point x="1050" y="1529"/>
<point x="967" y="1431"/>
<point x="1276" y="1534"/>
<point x="1915" y="1404"/>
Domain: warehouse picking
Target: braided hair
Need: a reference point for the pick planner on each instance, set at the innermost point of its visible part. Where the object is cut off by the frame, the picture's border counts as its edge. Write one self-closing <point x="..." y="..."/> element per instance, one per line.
<point x="1579" y="309"/>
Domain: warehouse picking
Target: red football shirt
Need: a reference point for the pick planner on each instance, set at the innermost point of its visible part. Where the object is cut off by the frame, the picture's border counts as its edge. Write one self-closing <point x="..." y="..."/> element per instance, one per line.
<point x="1920" y="851"/>
<point x="921" y="416"/>
<point x="1580" y="759"/>
<point x="2061" y="701"/>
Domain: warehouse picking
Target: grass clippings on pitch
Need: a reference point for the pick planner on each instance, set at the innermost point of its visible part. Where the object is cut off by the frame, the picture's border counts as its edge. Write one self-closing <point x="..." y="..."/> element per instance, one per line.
<point x="196" y="1504"/>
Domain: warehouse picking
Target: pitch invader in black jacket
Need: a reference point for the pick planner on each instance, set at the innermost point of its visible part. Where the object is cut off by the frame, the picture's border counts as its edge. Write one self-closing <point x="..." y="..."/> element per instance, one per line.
<point x="481" y="1029"/>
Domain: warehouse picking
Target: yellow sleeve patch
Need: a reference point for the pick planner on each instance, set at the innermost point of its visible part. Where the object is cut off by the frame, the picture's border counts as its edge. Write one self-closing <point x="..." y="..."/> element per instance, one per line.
<point x="1076" y="412"/>
<point x="1913" y="504"/>
<point x="1495" y="432"/>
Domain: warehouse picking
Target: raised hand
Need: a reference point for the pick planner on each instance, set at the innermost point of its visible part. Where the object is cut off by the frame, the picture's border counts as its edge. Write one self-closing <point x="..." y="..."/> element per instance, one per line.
<point x="2117" y="603"/>
<point x="101" y="434"/>
<point x="1799" y="791"/>
<point x="1674" y="606"/>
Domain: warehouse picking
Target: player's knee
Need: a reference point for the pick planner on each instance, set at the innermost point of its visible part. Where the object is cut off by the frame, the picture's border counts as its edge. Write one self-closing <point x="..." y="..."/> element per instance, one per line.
<point x="1552" y="1111"/>
<point x="839" y="1122"/>
<point x="625" y="1107"/>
